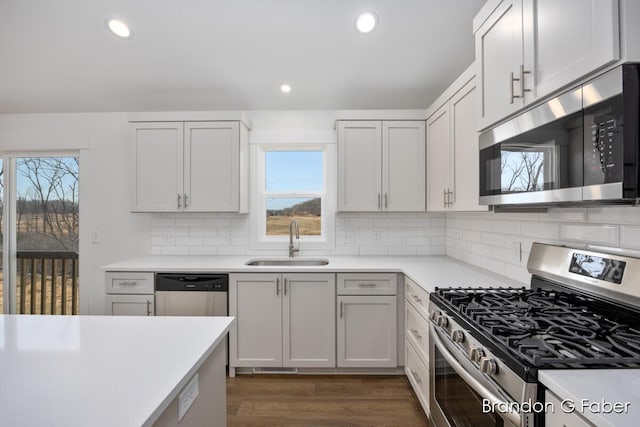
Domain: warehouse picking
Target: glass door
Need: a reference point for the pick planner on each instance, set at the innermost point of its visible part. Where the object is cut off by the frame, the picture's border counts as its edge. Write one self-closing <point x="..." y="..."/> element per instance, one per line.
<point x="42" y="225"/>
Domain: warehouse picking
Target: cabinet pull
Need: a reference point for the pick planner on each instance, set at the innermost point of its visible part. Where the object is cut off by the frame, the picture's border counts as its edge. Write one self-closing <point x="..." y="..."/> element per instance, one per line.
<point x="179" y="200"/>
<point x="415" y="376"/>
<point x="285" y="286"/>
<point x="367" y="285"/>
<point x="417" y="299"/>
<point x="379" y="202"/>
<point x="416" y="333"/>
<point x="386" y="200"/>
<point x="341" y="309"/>
<point x="449" y="194"/>
<point x="185" y="200"/>
<point x="277" y="287"/>
<point x="148" y="307"/>
<point x="444" y="198"/>
<point x="513" y="80"/>
<point x="127" y="283"/>
<point x="522" y="73"/>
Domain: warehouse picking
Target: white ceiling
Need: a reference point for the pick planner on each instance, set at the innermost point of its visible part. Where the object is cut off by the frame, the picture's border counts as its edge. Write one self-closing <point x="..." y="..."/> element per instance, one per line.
<point x="58" y="56"/>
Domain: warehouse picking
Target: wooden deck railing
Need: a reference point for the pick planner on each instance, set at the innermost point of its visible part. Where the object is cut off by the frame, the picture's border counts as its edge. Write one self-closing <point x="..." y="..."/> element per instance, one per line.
<point x="47" y="282"/>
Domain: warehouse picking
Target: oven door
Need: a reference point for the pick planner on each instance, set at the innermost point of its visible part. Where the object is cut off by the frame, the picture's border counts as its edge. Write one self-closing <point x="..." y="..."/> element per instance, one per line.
<point x="460" y="393"/>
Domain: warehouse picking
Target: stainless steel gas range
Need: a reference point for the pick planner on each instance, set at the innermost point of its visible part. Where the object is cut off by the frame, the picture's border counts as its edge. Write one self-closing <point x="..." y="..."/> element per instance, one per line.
<point x="582" y="311"/>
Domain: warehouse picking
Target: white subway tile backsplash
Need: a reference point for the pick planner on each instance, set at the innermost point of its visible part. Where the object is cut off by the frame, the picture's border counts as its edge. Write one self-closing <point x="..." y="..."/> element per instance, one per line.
<point x="564" y="215"/>
<point x="189" y="222"/>
<point x="608" y="235"/>
<point x="541" y="230"/>
<point x="492" y="239"/>
<point x="615" y="215"/>
<point x="630" y="236"/>
<point x="506" y="227"/>
<point x="481" y="225"/>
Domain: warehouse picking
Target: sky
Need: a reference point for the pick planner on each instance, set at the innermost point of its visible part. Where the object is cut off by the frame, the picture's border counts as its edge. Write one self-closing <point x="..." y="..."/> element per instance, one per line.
<point x="292" y="171"/>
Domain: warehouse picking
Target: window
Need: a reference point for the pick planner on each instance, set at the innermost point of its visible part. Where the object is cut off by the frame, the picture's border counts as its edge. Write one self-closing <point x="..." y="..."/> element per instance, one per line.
<point x="292" y="184"/>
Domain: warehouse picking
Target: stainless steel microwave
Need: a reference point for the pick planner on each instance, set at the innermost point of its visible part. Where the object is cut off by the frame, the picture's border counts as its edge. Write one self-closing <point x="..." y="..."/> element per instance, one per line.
<point x="581" y="146"/>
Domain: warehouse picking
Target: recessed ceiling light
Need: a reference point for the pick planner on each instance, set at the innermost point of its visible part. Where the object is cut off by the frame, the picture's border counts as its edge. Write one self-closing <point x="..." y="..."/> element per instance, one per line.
<point x="285" y="88"/>
<point x="119" y="28"/>
<point x="366" y="22"/>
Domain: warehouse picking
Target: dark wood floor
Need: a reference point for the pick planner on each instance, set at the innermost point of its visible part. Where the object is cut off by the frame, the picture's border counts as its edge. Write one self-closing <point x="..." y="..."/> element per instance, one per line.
<point x="304" y="400"/>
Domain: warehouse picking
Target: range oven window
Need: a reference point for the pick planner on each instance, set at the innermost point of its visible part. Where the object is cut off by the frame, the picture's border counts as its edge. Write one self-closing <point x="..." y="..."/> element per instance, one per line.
<point x="460" y="404"/>
<point x="545" y="158"/>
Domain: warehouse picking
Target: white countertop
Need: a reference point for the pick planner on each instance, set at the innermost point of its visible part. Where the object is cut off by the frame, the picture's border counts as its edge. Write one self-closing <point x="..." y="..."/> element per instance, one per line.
<point x="99" y="370"/>
<point x="596" y="386"/>
<point x="426" y="271"/>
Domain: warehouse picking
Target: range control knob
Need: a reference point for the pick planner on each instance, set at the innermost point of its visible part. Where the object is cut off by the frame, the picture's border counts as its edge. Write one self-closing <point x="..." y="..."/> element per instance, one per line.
<point x="476" y="353"/>
<point x="457" y="335"/>
<point x="488" y="365"/>
<point x="434" y="315"/>
<point x="442" y="321"/>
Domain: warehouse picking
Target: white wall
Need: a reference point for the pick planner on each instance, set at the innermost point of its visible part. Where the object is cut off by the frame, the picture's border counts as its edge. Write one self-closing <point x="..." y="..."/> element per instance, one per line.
<point x="493" y="240"/>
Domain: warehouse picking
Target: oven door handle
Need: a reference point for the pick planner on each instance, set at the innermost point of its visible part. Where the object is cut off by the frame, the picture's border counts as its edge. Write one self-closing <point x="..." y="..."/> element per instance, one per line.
<point x="483" y="391"/>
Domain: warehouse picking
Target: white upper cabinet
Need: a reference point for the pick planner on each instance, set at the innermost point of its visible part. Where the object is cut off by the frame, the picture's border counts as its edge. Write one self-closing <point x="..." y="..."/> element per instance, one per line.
<point x="189" y="167"/>
<point x="452" y="149"/>
<point x="381" y="166"/>
<point x="527" y="49"/>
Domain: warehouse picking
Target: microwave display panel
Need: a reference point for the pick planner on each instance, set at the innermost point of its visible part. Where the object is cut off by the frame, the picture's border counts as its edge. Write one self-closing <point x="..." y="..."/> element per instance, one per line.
<point x="603" y="142"/>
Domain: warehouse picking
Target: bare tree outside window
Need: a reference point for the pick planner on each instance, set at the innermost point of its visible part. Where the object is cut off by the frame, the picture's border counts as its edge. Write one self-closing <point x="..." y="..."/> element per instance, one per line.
<point x="522" y="171"/>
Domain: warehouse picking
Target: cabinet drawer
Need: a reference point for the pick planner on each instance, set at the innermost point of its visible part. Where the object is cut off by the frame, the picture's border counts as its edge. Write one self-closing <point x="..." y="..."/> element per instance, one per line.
<point x="129" y="283"/>
<point x="417" y="296"/>
<point x="560" y="418"/>
<point x="367" y="284"/>
<point x="418" y="374"/>
<point x="417" y="331"/>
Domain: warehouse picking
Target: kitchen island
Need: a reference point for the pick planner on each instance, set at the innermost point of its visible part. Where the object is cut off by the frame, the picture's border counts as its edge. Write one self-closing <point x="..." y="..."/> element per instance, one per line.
<point x="111" y="370"/>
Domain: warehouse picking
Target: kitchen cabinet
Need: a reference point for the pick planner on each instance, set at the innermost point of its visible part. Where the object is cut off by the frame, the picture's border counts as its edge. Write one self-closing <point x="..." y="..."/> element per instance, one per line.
<point x="452" y="150"/>
<point x="367" y="334"/>
<point x="189" y="166"/>
<point x="527" y="49"/>
<point x="283" y="320"/>
<point x="417" y="341"/>
<point x="381" y="166"/>
<point x="558" y="417"/>
<point x="129" y="293"/>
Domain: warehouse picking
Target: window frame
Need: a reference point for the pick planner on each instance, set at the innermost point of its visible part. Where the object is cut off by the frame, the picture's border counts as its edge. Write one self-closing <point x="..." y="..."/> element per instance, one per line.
<point x="259" y="238"/>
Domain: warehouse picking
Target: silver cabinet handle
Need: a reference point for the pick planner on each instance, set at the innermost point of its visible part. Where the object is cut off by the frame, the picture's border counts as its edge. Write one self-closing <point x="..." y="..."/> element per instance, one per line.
<point x="416" y="333"/>
<point x="185" y="200"/>
<point x="386" y="200"/>
<point x="367" y="285"/>
<point x="148" y="307"/>
<point x="277" y="286"/>
<point x="448" y="200"/>
<point x="179" y="200"/>
<point x="285" y="286"/>
<point x="127" y="283"/>
<point x="522" y="73"/>
<point x="444" y="198"/>
<point x="415" y="376"/>
<point x="417" y="299"/>
<point x="379" y="202"/>
<point x="341" y="309"/>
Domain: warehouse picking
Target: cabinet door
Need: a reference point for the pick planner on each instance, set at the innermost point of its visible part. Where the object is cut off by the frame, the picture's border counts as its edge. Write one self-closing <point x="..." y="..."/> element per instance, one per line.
<point x="498" y="54"/>
<point x="256" y="302"/>
<point x="367" y="332"/>
<point x="157" y="156"/>
<point x="129" y="305"/>
<point x="439" y="159"/>
<point x="359" y="166"/>
<point x="309" y="320"/>
<point x="403" y="166"/>
<point x="565" y="40"/>
<point x="464" y="150"/>
<point x="212" y="166"/>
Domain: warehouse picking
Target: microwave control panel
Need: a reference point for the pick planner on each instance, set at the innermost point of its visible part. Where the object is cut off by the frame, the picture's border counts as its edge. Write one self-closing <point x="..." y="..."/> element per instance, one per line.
<point x="603" y="144"/>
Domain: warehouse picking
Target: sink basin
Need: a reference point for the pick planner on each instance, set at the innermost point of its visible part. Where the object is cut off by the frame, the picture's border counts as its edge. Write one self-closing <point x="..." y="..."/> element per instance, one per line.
<point x="288" y="262"/>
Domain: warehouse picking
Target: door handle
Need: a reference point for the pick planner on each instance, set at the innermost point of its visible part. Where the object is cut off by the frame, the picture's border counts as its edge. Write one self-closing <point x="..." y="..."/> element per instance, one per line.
<point x="386" y="200"/>
<point x="277" y="286"/>
<point x="341" y="309"/>
<point x="285" y="286"/>
<point x="513" y="80"/>
<point x="185" y="200"/>
<point x="522" y="73"/>
<point x="148" y="307"/>
<point x="179" y="200"/>
<point x="379" y="202"/>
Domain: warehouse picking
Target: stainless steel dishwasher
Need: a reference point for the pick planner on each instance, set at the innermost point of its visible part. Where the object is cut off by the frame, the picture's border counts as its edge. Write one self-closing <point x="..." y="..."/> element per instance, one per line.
<point x="179" y="294"/>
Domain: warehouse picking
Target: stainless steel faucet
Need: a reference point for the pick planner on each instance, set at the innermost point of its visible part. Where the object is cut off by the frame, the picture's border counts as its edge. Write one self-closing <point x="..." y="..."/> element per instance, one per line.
<point x="292" y="251"/>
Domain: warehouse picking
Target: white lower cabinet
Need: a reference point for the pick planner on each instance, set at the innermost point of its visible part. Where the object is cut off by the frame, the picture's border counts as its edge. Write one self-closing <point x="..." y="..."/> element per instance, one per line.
<point x="282" y="320"/>
<point x="559" y="418"/>
<point x="417" y="341"/>
<point x="367" y="324"/>
<point x="129" y="293"/>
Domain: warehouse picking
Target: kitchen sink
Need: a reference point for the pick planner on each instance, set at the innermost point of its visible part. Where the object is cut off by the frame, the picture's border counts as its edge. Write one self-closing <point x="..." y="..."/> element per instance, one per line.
<point x="288" y="262"/>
